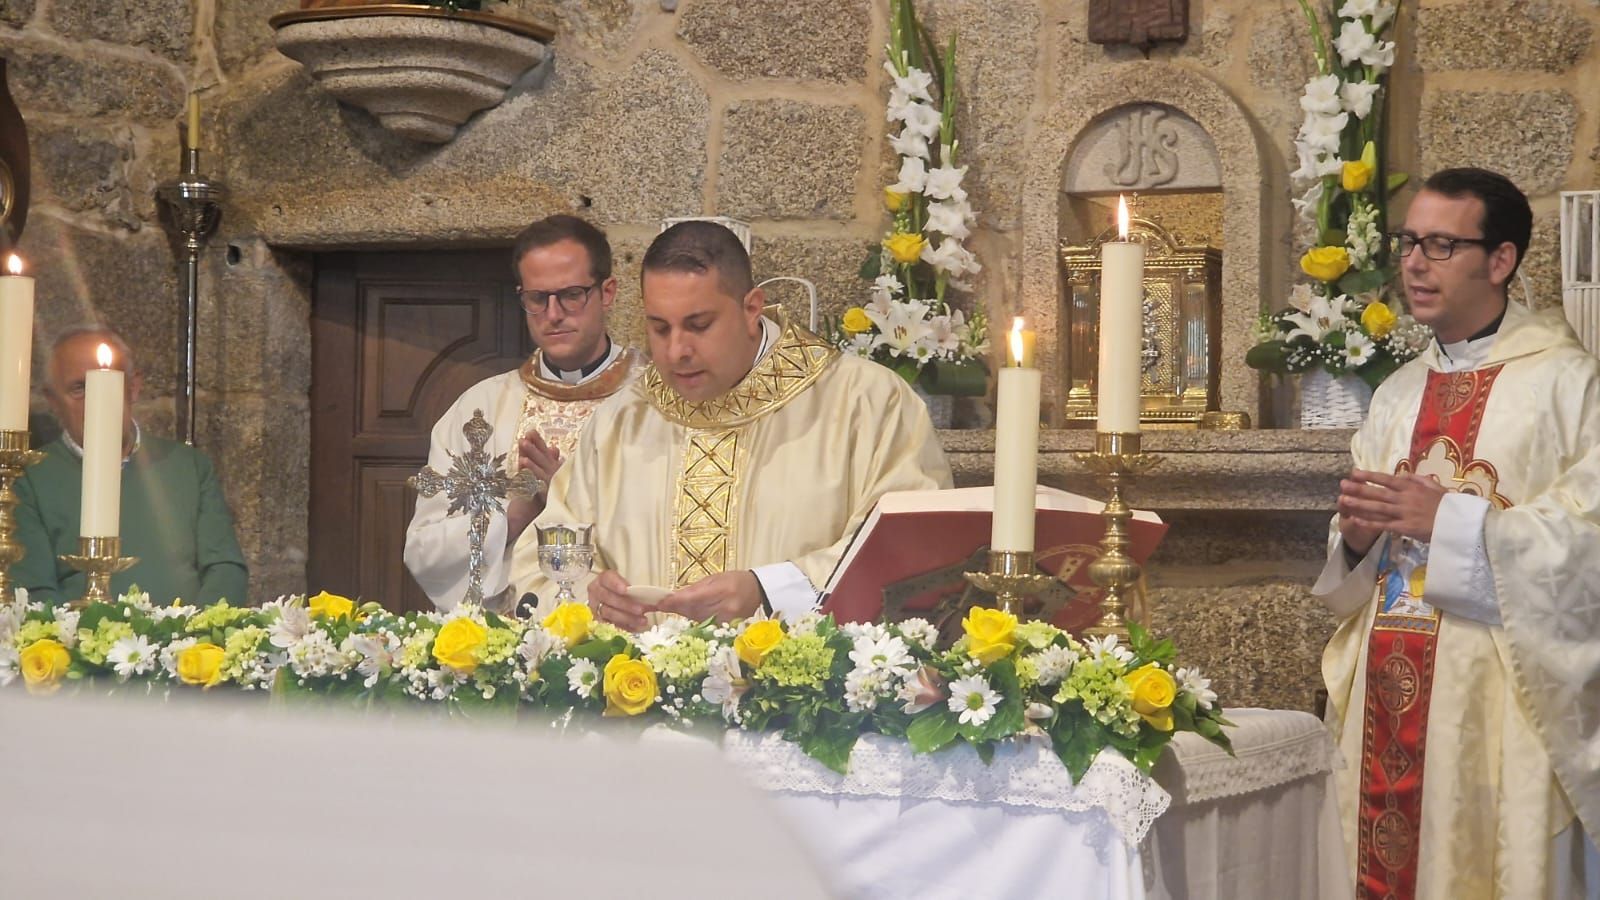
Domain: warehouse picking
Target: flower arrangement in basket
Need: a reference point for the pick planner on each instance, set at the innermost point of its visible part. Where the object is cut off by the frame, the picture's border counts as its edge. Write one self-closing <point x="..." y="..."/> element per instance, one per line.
<point x="908" y="325"/>
<point x="1344" y="322"/>
<point x="820" y="683"/>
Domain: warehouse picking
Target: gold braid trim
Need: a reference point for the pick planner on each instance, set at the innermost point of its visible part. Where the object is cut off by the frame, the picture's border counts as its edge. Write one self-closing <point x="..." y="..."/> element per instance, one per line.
<point x="707" y="506"/>
<point x="794" y="362"/>
<point x="614" y="378"/>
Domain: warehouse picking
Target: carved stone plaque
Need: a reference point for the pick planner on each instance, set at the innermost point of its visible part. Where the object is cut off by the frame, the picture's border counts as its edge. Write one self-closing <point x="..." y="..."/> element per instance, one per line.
<point x="1141" y="23"/>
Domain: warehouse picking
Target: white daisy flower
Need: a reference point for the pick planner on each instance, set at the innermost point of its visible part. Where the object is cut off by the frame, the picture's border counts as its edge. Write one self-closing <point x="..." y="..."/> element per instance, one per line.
<point x="919" y="633"/>
<point x="583" y="678"/>
<point x="1055" y="664"/>
<point x="131" y="656"/>
<point x="1192" y="682"/>
<point x="973" y="699"/>
<point x="1105" y="648"/>
<point x="887" y="653"/>
<point x="864" y="687"/>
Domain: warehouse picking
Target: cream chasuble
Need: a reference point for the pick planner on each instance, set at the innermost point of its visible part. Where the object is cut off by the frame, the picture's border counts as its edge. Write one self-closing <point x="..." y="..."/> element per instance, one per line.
<point x="513" y="403"/>
<point x="782" y="468"/>
<point x="1510" y="716"/>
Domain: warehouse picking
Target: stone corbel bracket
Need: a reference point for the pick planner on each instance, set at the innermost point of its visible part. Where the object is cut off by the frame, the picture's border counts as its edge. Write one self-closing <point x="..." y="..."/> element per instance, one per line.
<point x="421" y="70"/>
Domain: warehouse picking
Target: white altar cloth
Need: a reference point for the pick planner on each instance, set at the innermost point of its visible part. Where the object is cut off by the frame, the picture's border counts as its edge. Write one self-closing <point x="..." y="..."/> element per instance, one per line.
<point x="1261" y="824"/>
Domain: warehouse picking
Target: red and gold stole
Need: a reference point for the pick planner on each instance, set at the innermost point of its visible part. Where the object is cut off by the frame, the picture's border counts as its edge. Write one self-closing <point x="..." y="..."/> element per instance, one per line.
<point x="1400" y="649"/>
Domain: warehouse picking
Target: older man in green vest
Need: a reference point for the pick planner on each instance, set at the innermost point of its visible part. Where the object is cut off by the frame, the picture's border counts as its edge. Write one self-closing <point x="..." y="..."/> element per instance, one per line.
<point x="174" y="518"/>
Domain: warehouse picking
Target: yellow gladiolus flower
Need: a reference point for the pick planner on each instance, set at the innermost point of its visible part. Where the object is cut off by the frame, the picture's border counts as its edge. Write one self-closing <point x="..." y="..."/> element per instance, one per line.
<point x="331" y="606"/>
<point x="1355" y="176"/>
<point x="44" y="663"/>
<point x="571" y="622"/>
<point x="629" y="686"/>
<point x="757" y="640"/>
<point x="905" y="247"/>
<point x="1325" y="263"/>
<point x="201" y="664"/>
<point x="1153" y="691"/>
<point x="1378" y="319"/>
<point x="894" y="200"/>
<point x="991" y="634"/>
<point x="855" y="320"/>
<point x="459" y="645"/>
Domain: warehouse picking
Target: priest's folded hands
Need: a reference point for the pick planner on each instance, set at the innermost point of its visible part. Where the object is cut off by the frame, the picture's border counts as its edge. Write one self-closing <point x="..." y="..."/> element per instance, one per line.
<point x="724" y="596"/>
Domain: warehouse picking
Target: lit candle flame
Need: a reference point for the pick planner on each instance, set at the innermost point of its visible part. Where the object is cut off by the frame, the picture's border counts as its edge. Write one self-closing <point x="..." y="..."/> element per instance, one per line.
<point x="1016" y="341"/>
<point x="14" y="264"/>
<point x="1122" y="218"/>
<point x="103" y="354"/>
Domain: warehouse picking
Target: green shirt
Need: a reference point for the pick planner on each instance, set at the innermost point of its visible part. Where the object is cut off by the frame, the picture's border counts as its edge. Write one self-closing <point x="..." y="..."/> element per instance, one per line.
<point x="174" y="520"/>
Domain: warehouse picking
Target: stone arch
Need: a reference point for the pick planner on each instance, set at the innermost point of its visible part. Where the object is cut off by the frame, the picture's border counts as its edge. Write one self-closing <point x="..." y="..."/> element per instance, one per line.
<point x="1243" y="180"/>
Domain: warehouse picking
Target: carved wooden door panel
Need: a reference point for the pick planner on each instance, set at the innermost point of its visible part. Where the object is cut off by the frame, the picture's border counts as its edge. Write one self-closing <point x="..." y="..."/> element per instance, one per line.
<point x="396" y="337"/>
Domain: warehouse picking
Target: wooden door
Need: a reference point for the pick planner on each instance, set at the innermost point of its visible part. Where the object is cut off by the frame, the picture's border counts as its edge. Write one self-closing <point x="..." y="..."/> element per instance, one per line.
<point x="395" y="338"/>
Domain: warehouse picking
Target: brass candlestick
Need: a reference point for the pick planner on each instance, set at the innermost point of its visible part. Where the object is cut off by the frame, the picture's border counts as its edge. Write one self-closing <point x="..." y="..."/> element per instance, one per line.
<point x="1115" y="459"/>
<point x="14" y="458"/>
<point x="1011" y="579"/>
<point x="98" y="559"/>
<point x="192" y="207"/>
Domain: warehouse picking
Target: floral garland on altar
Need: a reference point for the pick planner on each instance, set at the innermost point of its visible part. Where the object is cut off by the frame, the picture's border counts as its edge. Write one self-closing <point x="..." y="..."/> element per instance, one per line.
<point x="908" y="325"/>
<point x="820" y="683"/>
<point x="1343" y="322"/>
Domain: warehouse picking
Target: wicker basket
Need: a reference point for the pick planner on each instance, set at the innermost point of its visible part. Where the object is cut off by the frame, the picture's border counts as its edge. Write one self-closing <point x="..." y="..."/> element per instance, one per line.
<point x="1330" y="402"/>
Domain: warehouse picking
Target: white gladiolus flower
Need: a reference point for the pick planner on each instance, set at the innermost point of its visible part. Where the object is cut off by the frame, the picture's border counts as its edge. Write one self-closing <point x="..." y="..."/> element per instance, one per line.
<point x="1321" y="96"/>
<point x="913" y="176"/>
<point x="951" y="257"/>
<point x="973" y="699"/>
<point x="1354" y="42"/>
<point x="948" y="217"/>
<point x="914" y="83"/>
<point x="923" y="119"/>
<point x="1322" y="132"/>
<point x="909" y="143"/>
<point x="944" y="183"/>
<point x="1357" y="96"/>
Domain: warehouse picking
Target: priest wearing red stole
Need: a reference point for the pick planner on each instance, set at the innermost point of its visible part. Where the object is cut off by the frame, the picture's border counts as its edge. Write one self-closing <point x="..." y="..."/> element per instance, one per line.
<point x="1464" y="565"/>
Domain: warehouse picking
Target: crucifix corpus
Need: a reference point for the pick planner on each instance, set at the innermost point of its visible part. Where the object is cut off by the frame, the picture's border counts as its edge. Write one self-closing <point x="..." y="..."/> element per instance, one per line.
<point x="477" y="484"/>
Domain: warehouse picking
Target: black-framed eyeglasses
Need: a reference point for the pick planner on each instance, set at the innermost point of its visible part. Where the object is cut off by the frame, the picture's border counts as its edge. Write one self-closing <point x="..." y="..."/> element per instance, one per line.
<point x="572" y="299"/>
<point x="1434" y="246"/>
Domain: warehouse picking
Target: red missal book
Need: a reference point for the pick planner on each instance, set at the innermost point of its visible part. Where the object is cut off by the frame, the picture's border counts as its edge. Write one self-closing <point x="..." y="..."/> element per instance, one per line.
<point x="908" y="557"/>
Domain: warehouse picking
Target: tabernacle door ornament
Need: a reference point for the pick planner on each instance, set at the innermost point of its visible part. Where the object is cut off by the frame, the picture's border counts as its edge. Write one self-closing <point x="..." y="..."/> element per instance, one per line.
<point x="476" y="484"/>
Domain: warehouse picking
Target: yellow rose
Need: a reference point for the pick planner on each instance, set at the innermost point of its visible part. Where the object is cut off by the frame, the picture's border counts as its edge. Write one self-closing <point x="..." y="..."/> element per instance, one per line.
<point x="331" y="606"/>
<point x="991" y="633"/>
<point x="629" y="686"/>
<point x="201" y="664"/>
<point x="1378" y="318"/>
<point x="1355" y="176"/>
<point x="905" y="247"/>
<point x="459" y="645"/>
<point x="1153" y="692"/>
<point x="571" y="622"/>
<point x="894" y="200"/>
<point x="855" y="320"/>
<point x="1325" y="263"/>
<point x="757" y="640"/>
<point x="44" y="664"/>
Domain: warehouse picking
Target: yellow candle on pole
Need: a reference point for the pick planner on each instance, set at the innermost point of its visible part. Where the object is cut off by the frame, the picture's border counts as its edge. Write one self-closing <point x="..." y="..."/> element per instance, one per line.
<point x="1121" y="331"/>
<point x="191" y="138"/>
<point x="1016" y="446"/>
<point x="101" y="507"/>
<point x="16" y="345"/>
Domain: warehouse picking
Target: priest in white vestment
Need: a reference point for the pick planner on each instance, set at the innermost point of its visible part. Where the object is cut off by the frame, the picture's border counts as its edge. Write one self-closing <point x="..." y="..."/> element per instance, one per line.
<point x="1464" y="564"/>
<point x="565" y="287"/>
<point x="735" y="470"/>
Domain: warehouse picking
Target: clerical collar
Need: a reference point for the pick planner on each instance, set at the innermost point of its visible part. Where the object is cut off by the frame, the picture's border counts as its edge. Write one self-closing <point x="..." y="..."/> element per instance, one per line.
<point x="579" y="376"/>
<point x="1468" y="354"/>
<point x="138" y="439"/>
<point x="768" y="329"/>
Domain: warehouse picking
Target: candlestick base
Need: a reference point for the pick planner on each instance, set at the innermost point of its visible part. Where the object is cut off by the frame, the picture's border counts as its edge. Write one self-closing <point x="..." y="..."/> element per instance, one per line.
<point x="98" y="559"/>
<point x="1116" y="459"/>
<point x="14" y="458"/>
<point x="1011" y="579"/>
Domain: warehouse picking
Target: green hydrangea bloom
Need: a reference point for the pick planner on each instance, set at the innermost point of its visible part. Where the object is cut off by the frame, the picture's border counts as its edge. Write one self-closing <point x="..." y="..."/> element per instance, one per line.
<point x="1037" y="635"/>
<point x="498" y="646"/>
<point x="800" y="661"/>
<point x="414" y="652"/>
<point x="605" y="631"/>
<point x="217" y="615"/>
<point x="240" y="650"/>
<point x="1103" y="694"/>
<point x="36" y="631"/>
<point x="685" y="657"/>
<point x="1028" y="671"/>
<point x="94" y="645"/>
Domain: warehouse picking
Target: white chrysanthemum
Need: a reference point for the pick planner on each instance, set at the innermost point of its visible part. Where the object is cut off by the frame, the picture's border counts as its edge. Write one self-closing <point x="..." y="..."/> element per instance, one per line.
<point x="1055" y="664"/>
<point x="887" y="653"/>
<point x="973" y="699"/>
<point x="174" y="610"/>
<point x="919" y="633"/>
<point x="913" y="176"/>
<point x="1321" y="95"/>
<point x="664" y="632"/>
<point x="1105" y="648"/>
<point x="583" y="678"/>
<point x="136" y="598"/>
<point x="864" y="687"/>
<point x="317" y="657"/>
<point x="1192" y="682"/>
<point x="464" y="611"/>
<point x="131" y="656"/>
<point x="1358" y="349"/>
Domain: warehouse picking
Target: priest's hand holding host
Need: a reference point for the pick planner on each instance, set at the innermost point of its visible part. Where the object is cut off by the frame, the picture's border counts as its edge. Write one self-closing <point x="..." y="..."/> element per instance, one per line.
<point x="732" y="473"/>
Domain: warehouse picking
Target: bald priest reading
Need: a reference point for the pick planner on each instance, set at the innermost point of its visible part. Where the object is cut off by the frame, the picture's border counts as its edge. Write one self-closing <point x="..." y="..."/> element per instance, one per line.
<point x="735" y="470"/>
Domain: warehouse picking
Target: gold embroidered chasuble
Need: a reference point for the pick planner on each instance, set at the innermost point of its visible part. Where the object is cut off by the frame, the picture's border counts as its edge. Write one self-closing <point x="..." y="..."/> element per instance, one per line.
<point x="513" y="403"/>
<point x="783" y="468"/>
<point x="1513" y="727"/>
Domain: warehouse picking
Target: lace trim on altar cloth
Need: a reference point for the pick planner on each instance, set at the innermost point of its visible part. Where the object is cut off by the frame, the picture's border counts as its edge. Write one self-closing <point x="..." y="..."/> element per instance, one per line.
<point x="1023" y="773"/>
<point x="1271" y="747"/>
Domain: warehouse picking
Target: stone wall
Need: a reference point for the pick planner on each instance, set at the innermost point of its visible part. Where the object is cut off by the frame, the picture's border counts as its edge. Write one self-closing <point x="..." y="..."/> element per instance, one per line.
<point x="769" y="112"/>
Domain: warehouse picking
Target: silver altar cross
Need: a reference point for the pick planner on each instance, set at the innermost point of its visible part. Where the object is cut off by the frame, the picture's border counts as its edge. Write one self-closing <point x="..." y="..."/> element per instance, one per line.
<point x="476" y="484"/>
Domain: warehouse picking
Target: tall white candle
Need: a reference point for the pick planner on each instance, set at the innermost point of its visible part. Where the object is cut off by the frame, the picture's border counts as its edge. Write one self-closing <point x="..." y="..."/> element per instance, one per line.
<point x="101" y="509"/>
<point x="16" y="345"/>
<point x="1121" y="331"/>
<point x="1016" y="449"/>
